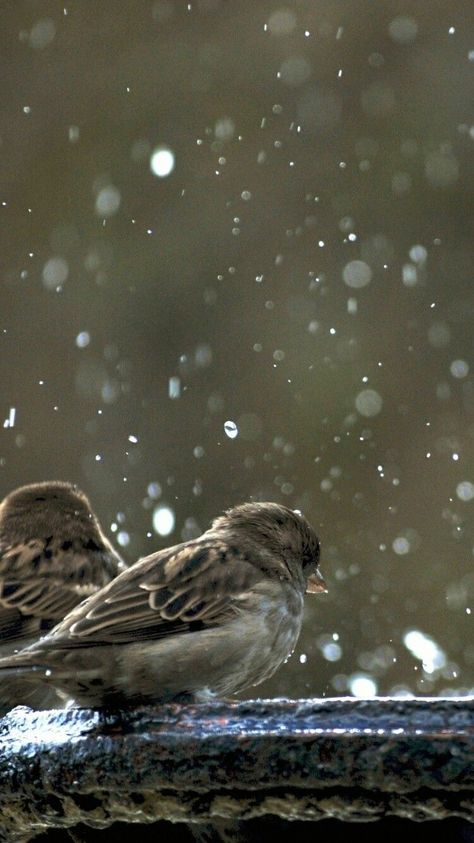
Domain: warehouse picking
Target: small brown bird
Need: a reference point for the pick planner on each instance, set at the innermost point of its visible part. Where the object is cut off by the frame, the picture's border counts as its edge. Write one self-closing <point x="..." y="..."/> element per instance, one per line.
<point x="211" y="616"/>
<point x="53" y="554"/>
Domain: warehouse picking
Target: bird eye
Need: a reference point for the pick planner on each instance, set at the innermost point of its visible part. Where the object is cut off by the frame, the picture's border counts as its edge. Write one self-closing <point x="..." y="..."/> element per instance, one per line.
<point x="40" y="499"/>
<point x="311" y="556"/>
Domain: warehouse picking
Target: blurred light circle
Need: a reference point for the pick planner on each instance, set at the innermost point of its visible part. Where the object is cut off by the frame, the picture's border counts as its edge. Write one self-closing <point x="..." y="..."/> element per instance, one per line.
<point x="154" y="489"/>
<point x="332" y="652"/>
<point x="162" y="161"/>
<point x="42" y="33"/>
<point x="108" y="201"/>
<point x="347" y="224"/>
<point x="418" y="253"/>
<point x="403" y="30"/>
<point x="295" y="70"/>
<point x="282" y="22"/>
<point x="368" y="403"/>
<point x="441" y="169"/>
<point x="459" y="368"/>
<point x="224" y="129"/>
<point x="83" y="339"/>
<point x="465" y="490"/>
<point x="55" y="273"/>
<point x="163" y="520"/>
<point x="401" y="546"/>
<point x="203" y="355"/>
<point x="362" y="686"/>
<point x="409" y="275"/>
<point x="123" y="538"/>
<point x="439" y="334"/>
<point x="357" y="274"/>
<point x="425" y="648"/>
<point x="401" y="182"/>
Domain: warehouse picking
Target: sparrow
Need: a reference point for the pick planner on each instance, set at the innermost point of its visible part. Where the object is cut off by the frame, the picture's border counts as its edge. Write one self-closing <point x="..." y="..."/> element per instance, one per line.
<point x="53" y="554"/>
<point x="208" y="617"/>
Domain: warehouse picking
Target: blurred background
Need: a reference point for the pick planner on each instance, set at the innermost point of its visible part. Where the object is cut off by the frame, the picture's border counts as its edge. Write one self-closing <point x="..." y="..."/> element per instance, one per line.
<point x="236" y="263"/>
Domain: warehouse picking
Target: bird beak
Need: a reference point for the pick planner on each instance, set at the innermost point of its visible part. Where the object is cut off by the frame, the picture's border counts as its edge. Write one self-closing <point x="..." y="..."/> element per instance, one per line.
<point x="315" y="583"/>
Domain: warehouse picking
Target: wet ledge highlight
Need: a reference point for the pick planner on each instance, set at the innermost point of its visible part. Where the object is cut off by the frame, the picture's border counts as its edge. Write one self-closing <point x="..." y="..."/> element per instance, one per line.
<point x="307" y="760"/>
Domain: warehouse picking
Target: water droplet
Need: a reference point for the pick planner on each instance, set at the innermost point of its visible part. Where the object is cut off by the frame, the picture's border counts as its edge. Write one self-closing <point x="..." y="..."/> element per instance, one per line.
<point x="83" y="339"/>
<point x="231" y="430"/>
<point x="174" y="387"/>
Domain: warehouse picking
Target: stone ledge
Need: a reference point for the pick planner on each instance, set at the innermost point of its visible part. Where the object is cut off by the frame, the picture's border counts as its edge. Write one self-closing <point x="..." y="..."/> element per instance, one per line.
<point x="294" y="759"/>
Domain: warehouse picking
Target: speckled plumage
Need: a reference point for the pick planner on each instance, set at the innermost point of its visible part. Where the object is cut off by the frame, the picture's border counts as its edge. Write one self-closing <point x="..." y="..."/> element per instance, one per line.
<point x="210" y="616"/>
<point x="53" y="554"/>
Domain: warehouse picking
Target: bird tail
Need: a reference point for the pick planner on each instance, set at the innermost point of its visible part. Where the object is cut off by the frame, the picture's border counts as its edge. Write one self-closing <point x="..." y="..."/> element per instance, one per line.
<point x="24" y="684"/>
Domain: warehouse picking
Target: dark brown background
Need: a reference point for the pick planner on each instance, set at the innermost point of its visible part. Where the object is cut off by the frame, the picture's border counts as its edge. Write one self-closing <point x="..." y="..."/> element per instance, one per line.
<point x="167" y="287"/>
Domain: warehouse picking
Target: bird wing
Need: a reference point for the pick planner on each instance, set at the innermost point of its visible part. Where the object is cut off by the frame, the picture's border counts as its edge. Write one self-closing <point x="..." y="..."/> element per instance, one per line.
<point x="43" y="580"/>
<point x="170" y="592"/>
<point x="17" y="630"/>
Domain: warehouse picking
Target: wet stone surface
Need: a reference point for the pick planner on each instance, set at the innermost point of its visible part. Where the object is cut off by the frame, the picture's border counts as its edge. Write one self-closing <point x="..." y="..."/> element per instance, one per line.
<point x="352" y="760"/>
